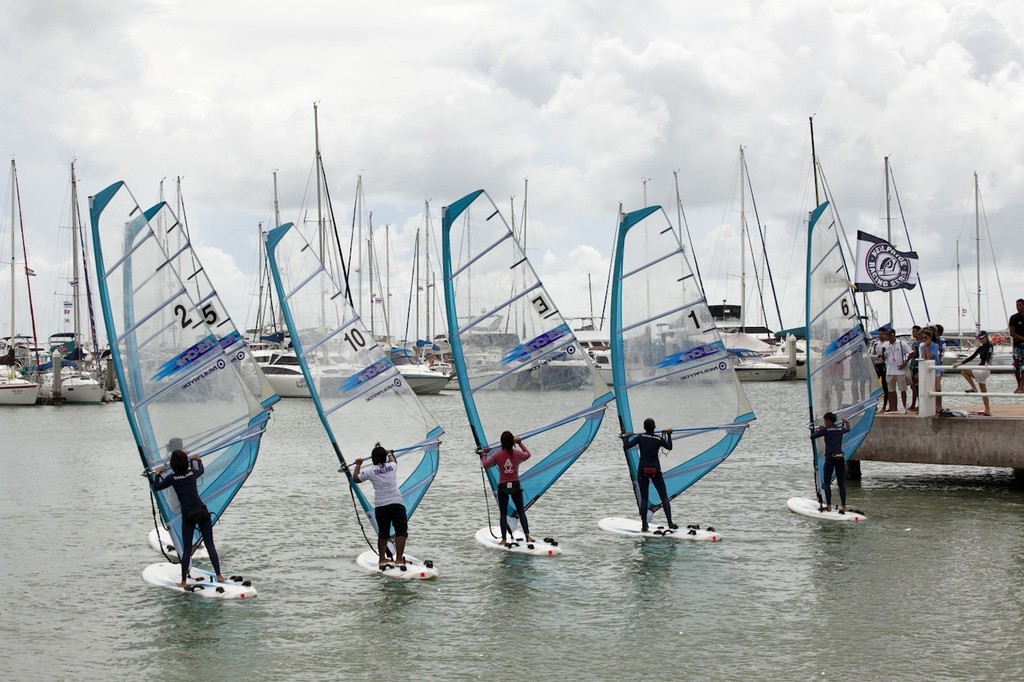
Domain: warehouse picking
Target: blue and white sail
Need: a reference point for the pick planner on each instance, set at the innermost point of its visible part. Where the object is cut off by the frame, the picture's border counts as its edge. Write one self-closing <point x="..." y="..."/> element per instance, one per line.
<point x="519" y="364"/>
<point x="668" y="359"/>
<point x="840" y="374"/>
<point x="173" y="349"/>
<point x="359" y="395"/>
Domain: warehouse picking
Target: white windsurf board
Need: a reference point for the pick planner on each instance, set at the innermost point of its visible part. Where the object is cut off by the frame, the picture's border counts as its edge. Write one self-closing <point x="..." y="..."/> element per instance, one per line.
<point x="632" y="528"/>
<point x="805" y="506"/>
<point x="414" y="568"/>
<point x="200" y="582"/>
<point x="160" y="537"/>
<point x="491" y="537"/>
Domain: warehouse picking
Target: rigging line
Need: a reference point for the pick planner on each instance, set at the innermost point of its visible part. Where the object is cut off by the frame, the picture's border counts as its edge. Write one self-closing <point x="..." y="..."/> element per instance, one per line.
<point x="764" y="248"/>
<point x="487" y="504"/>
<point x="906" y="230"/>
<point x="157" y="524"/>
<point x="685" y="226"/>
<point x="611" y="266"/>
<point x="992" y="249"/>
<point x="334" y="228"/>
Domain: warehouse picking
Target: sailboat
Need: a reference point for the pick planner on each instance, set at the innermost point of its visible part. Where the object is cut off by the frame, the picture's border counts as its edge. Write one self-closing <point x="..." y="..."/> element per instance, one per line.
<point x="14" y="388"/>
<point x="669" y="364"/>
<point x="520" y="367"/>
<point x="182" y="370"/>
<point x="359" y="395"/>
<point x="840" y="376"/>
<point x="69" y="374"/>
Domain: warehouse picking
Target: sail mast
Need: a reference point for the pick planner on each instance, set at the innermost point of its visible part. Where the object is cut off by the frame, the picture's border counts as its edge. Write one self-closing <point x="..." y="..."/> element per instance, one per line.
<point x="888" y="225"/>
<point x="977" y="253"/>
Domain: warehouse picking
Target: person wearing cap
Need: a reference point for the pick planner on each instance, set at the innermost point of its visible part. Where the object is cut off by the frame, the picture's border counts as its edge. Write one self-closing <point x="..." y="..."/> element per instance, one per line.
<point x="835" y="459"/>
<point x="388" y="504"/>
<point x="984" y="354"/>
<point x="185" y="471"/>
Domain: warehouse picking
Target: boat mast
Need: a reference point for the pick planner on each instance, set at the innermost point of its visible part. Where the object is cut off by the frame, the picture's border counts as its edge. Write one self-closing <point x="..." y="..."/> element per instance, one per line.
<point x="681" y="219"/>
<point x="977" y="252"/>
<point x="888" y="225"/>
<point x="75" y="273"/>
<point x="426" y="281"/>
<point x="743" y="247"/>
<point x="14" y="181"/>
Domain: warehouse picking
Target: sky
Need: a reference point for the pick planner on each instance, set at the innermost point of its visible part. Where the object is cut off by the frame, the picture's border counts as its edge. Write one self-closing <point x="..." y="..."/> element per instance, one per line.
<point x="594" y="103"/>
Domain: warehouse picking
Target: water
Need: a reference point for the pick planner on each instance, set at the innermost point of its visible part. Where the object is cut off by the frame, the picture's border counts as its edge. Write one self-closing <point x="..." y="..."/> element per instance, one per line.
<point x="932" y="587"/>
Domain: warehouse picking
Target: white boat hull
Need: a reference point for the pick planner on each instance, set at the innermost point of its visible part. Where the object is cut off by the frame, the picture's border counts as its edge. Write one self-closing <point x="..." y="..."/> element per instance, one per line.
<point x="18" y="392"/>
<point x="75" y="389"/>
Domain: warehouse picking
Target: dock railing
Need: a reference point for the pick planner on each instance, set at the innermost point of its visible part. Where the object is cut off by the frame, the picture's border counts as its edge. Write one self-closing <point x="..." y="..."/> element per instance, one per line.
<point x="928" y="387"/>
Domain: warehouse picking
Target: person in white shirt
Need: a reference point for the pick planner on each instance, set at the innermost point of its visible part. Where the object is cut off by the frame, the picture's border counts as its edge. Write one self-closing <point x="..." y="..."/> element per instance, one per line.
<point x="388" y="504"/>
<point x="897" y="355"/>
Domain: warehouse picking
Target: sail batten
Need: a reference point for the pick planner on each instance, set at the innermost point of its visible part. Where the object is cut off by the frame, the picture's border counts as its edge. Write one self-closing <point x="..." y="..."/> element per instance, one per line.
<point x="668" y="360"/>
<point x="518" y="349"/>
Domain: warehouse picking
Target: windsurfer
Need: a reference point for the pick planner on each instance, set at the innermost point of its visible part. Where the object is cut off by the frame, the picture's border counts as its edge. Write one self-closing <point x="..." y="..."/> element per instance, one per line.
<point x="835" y="460"/>
<point x="185" y="471"/>
<point x="509" y="487"/>
<point x="649" y="468"/>
<point x="388" y="504"/>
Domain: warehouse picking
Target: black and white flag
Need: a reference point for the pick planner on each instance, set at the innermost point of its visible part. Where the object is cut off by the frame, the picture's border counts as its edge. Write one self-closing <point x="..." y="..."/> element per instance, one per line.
<point x="881" y="267"/>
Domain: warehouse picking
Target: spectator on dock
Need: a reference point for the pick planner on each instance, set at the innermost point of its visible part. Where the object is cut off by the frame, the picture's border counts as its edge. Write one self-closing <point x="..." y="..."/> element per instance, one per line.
<point x="939" y="331"/>
<point x="897" y="356"/>
<point x="930" y="351"/>
<point x="1016" y="327"/>
<point x="879" y="360"/>
<point x="984" y="354"/>
<point x="915" y="343"/>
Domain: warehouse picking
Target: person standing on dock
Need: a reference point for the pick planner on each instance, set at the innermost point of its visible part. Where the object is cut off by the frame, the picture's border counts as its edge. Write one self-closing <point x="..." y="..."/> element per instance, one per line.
<point x="897" y="355"/>
<point x="878" y="358"/>
<point x="930" y="351"/>
<point x="915" y="353"/>
<point x="1016" y="327"/>
<point x="984" y="354"/>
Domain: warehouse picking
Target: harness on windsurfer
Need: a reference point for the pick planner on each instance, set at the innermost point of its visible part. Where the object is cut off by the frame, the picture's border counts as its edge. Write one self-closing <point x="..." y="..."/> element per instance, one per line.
<point x="649" y="469"/>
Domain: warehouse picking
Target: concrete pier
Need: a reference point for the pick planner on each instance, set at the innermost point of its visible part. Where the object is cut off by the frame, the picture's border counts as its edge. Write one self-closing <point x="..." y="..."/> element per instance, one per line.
<point x="994" y="441"/>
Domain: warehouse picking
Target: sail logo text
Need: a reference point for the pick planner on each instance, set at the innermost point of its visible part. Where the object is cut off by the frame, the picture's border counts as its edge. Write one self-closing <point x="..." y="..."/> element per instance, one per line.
<point x="561" y="356"/>
<point x="220" y="364"/>
<point x="523" y="351"/>
<point x="693" y="354"/>
<point x="186" y="358"/>
<point x="368" y="374"/>
<point x="837" y="344"/>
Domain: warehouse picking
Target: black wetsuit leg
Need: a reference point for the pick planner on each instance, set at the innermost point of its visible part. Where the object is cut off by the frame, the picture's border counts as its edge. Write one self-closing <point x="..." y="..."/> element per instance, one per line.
<point x="517" y="500"/>
<point x="826" y="479"/>
<point x="188" y="529"/>
<point x="503" y="512"/>
<point x="645" y="492"/>
<point x="840" y="468"/>
<point x="659" y="485"/>
<point x="206" y="529"/>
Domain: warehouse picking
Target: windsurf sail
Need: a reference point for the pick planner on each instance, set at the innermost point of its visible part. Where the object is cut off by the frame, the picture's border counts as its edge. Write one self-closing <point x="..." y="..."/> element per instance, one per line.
<point x="840" y="374"/>
<point x="668" y="359"/>
<point x="519" y="364"/>
<point x="174" y="355"/>
<point x="358" y="393"/>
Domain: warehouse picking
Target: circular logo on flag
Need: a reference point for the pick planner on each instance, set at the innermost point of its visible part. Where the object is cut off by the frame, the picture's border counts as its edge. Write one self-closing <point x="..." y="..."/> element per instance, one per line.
<point x="887" y="268"/>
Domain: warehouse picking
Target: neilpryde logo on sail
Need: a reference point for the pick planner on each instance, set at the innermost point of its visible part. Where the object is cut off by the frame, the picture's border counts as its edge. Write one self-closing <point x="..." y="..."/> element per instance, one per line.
<point x="186" y="358"/>
<point x="522" y="352"/>
<point x="692" y="354"/>
<point x="368" y="374"/>
<point x="838" y="344"/>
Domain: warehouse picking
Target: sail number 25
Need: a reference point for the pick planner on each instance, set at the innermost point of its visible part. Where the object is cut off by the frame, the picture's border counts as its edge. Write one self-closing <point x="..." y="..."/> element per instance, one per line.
<point x="208" y="311"/>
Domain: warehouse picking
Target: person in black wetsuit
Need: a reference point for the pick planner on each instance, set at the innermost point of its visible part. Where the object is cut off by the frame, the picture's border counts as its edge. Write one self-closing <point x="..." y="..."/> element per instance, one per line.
<point x="835" y="461"/>
<point x="185" y="471"/>
<point x="649" y="468"/>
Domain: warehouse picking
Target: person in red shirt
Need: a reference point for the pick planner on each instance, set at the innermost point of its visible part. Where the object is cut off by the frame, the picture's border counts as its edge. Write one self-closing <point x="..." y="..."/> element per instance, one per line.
<point x="507" y="460"/>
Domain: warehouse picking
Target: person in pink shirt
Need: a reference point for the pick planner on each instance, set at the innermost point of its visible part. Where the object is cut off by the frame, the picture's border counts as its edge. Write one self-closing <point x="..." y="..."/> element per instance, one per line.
<point x="507" y="460"/>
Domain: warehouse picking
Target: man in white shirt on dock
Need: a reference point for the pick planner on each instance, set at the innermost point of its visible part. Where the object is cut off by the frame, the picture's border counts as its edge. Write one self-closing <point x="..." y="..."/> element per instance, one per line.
<point x="896" y="352"/>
